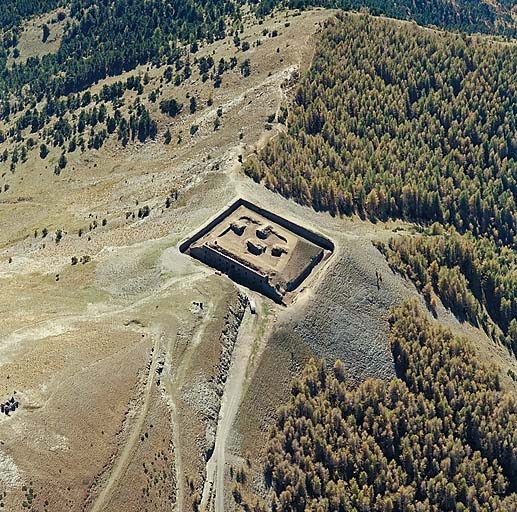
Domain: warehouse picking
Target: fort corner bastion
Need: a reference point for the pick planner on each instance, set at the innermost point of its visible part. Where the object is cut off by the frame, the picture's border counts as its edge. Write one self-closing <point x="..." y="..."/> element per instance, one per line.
<point x="259" y="249"/>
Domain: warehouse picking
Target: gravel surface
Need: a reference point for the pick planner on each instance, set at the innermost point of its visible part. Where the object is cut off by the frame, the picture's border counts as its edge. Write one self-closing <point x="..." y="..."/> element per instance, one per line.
<point x="346" y="317"/>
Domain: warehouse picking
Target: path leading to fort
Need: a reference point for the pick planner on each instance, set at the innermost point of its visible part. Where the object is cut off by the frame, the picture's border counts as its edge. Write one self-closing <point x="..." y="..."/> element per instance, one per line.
<point x="233" y="393"/>
<point x="173" y="383"/>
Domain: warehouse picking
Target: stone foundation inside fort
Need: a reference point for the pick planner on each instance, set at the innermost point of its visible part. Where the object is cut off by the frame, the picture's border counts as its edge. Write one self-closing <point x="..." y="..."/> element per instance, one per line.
<point x="259" y="249"/>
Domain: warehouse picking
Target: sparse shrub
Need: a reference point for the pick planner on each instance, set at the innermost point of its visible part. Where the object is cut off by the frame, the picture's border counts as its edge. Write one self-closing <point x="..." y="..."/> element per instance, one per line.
<point x="193" y="105"/>
<point x="45" y="33"/>
<point x="62" y="161"/>
<point x="170" y="107"/>
<point x="236" y="493"/>
<point x="245" y="68"/>
<point x="143" y="212"/>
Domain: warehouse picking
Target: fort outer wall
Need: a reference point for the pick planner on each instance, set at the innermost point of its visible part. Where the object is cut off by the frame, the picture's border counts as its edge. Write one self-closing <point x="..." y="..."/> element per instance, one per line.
<point x="241" y="273"/>
<point x="236" y="271"/>
<point x="315" y="238"/>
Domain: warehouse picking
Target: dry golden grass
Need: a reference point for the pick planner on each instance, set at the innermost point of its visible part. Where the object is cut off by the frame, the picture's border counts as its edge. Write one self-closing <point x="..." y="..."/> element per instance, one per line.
<point x="30" y="43"/>
<point x="78" y="339"/>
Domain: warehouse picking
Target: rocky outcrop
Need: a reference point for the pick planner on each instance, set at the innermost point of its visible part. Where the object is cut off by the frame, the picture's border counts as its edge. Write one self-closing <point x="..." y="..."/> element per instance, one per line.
<point x="229" y="337"/>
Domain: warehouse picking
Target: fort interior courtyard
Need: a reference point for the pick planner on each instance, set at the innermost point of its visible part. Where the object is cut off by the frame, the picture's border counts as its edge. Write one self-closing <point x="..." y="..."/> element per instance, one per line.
<point x="259" y="250"/>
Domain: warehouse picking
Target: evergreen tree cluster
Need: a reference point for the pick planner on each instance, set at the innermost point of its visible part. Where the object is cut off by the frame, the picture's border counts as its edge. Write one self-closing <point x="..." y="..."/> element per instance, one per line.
<point x="442" y="436"/>
<point x="13" y="12"/>
<point x="107" y="38"/>
<point x="464" y="15"/>
<point x="472" y="276"/>
<point x="397" y="121"/>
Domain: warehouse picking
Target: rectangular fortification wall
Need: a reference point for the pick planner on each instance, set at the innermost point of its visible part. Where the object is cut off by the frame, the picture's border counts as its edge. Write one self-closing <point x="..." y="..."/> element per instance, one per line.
<point x="315" y="238"/>
<point x="238" y="271"/>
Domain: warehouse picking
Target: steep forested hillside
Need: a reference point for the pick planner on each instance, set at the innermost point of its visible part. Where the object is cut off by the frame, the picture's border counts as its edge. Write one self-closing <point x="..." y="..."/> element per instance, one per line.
<point x="441" y="436"/>
<point x="400" y="122"/>
<point x="473" y="276"/>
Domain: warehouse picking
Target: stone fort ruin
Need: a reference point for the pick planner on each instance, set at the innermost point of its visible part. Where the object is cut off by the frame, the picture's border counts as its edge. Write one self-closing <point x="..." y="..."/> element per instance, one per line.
<point x="259" y="249"/>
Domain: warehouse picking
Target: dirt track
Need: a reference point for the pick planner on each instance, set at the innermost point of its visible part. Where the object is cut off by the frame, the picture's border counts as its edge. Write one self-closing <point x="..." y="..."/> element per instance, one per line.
<point x="238" y="378"/>
<point x="174" y="384"/>
<point x="102" y="500"/>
